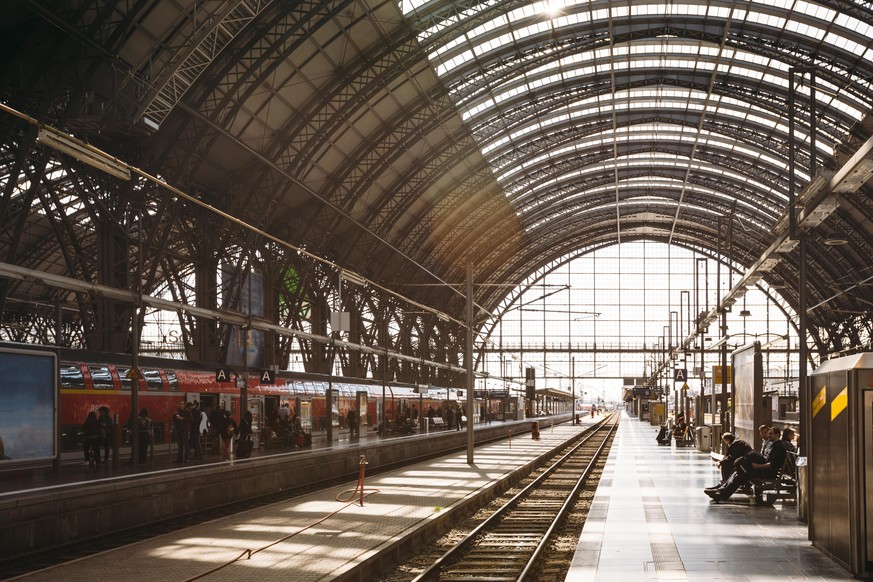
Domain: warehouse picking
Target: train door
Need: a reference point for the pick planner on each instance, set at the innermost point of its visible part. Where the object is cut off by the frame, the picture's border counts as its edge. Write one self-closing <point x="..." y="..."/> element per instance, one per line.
<point x="271" y="409"/>
<point x="256" y="407"/>
<point x="361" y="406"/>
<point x="510" y="409"/>
<point x="306" y="415"/>
<point x="208" y="402"/>
<point x="402" y="408"/>
<point x="380" y="408"/>
<point x="334" y="417"/>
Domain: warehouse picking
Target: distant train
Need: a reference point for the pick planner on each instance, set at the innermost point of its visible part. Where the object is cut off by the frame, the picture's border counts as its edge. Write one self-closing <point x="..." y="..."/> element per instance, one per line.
<point x="89" y="380"/>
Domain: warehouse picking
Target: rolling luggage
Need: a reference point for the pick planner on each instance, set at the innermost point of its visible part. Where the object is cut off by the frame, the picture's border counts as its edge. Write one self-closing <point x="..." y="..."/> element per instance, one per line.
<point x="244" y="449"/>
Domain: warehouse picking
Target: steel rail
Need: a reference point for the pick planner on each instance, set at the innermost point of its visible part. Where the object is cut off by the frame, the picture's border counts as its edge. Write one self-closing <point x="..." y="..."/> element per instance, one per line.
<point x="452" y="555"/>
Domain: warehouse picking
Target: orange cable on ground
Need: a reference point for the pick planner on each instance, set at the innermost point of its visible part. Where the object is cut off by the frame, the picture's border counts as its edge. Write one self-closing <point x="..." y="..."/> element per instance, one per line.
<point x="359" y="486"/>
<point x="247" y="554"/>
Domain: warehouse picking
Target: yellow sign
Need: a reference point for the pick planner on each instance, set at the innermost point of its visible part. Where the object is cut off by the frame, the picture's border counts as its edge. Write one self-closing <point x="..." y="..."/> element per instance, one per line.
<point x="819" y="401"/>
<point x="841" y="401"/>
<point x="684" y="387"/>
<point x="133" y="374"/>
<point x="716" y="375"/>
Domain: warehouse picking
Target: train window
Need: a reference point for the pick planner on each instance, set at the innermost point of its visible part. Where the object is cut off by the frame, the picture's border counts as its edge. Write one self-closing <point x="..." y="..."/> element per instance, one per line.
<point x="102" y="377"/>
<point x="123" y="371"/>
<point x="71" y="376"/>
<point x="153" y="380"/>
<point x="173" y="380"/>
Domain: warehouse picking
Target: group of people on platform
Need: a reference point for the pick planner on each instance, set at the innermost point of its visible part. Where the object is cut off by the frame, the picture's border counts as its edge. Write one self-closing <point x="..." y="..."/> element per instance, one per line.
<point x="451" y="413"/>
<point x="284" y="427"/>
<point x="741" y="463"/>
<point x="191" y="426"/>
<point x="98" y="436"/>
<point x="681" y="430"/>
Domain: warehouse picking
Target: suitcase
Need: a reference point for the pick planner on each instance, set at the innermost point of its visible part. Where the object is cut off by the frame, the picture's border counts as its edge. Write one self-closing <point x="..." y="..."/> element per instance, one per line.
<point x="244" y="449"/>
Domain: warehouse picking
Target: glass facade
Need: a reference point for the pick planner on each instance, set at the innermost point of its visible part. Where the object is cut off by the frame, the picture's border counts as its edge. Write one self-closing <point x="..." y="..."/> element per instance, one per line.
<point x="608" y="318"/>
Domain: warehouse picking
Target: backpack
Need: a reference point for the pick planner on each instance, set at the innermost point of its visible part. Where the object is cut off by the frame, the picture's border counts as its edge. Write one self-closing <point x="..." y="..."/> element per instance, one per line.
<point x="229" y="430"/>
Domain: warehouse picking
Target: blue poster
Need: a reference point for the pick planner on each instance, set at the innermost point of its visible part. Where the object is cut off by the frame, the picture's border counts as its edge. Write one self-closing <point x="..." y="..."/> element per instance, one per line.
<point x="248" y="350"/>
<point x="28" y="385"/>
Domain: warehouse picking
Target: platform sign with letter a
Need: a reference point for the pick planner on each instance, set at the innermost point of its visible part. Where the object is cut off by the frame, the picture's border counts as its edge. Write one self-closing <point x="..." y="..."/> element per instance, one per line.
<point x="268" y="377"/>
<point x="680" y="375"/>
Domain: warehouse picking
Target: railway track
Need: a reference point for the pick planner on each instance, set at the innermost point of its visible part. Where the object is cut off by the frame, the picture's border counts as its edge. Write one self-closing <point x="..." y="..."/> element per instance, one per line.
<point x="512" y="543"/>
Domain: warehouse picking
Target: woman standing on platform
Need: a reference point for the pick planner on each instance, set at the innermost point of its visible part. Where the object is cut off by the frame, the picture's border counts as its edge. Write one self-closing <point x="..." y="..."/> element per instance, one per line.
<point x="91" y="428"/>
<point x="245" y="445"/>
<point x="227" y="434"/>
<point x="144" y="434"/>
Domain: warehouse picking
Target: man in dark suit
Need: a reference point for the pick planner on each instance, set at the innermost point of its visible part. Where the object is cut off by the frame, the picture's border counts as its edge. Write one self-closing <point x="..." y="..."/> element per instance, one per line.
<point x="750" y="467"/>
<point x="735" y="449"/>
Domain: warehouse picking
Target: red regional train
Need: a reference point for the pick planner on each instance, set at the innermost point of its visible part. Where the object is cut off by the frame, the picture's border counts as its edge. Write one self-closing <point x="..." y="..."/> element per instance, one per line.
<point x="89" y="380"/>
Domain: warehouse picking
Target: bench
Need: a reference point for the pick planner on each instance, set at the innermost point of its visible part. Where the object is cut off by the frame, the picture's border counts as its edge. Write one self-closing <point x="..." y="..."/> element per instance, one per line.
<point x="782" y="486"/>
<point x="437" y="422"/>
<point x="686" y="439"/>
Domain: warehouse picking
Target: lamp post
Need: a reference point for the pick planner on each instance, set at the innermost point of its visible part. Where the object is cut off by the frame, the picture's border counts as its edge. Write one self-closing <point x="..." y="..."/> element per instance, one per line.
<point x="686" y="295"/>
<point x="573" y="387"/>
<point x="683" y="334"/>
<point x="468" y="363"/>
<point x="674" y="316"/>
<point x="665" y="356"/>
<point x="700" y="329"/>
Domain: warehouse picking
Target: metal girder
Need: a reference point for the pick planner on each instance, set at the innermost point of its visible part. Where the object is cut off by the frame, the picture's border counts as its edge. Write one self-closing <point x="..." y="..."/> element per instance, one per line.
<point x="214" y="34"/>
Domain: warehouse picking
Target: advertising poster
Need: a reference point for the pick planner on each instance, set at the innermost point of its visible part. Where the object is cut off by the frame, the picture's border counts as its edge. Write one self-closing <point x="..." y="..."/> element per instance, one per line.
<point x="28" y="423"/>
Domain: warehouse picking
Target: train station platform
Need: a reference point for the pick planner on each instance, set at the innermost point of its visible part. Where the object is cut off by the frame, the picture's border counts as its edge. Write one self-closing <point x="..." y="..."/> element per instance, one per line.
<point x="327" y="534"/>
<point x="72" y="468"/>
<point x="650" y="520"/>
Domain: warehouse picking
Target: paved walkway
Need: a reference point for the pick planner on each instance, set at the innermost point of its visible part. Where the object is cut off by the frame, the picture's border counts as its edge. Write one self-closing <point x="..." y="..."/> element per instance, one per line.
<point x="650" y="520"/>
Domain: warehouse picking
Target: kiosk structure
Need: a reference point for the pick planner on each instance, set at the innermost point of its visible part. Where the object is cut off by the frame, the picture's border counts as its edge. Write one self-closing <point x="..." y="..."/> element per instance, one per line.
<point x="839" y="401"/>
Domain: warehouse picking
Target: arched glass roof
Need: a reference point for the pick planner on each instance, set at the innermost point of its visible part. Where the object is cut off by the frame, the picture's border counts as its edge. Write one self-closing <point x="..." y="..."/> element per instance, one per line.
<point x="498" y="57"/>
<point x="404" y="140"/>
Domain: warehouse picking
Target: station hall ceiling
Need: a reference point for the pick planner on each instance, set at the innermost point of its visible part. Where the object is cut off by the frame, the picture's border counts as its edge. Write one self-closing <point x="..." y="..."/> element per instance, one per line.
<point x="404" y="140"/>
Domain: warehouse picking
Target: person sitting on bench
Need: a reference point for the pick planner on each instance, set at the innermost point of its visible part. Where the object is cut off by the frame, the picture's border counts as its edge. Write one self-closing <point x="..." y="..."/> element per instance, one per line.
<point x="787" y="437"/>
<point x="752" y="467"/>
<point x="735" y="450"/>
<point x="680" y="429"/>
<point x="663" y="437"/>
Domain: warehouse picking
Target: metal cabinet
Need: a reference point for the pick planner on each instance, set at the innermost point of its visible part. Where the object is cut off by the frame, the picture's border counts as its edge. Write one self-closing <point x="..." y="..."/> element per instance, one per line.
<point x="704" y="438"/>
<point x="839" y="401"/>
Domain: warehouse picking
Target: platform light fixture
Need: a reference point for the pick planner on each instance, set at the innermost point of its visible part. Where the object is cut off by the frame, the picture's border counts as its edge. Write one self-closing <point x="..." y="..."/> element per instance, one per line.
<point x="774" y="342"/>
<point x="83" y="152"/>
<point x="856" y="178"/>
<point x="720" y="342"/>
<point x="353" y="277"/>
<point x="745" y="313"/>
<point x="150" y="123"/>
<point x="835" y="239"/>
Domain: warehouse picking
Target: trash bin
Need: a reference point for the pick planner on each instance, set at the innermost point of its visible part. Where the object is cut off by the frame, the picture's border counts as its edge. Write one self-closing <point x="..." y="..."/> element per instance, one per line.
<point x="535" y="430"/>
<point x="802" y="469"/>
<point x="704" y="438"/>
<point x="716" y="438"/>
